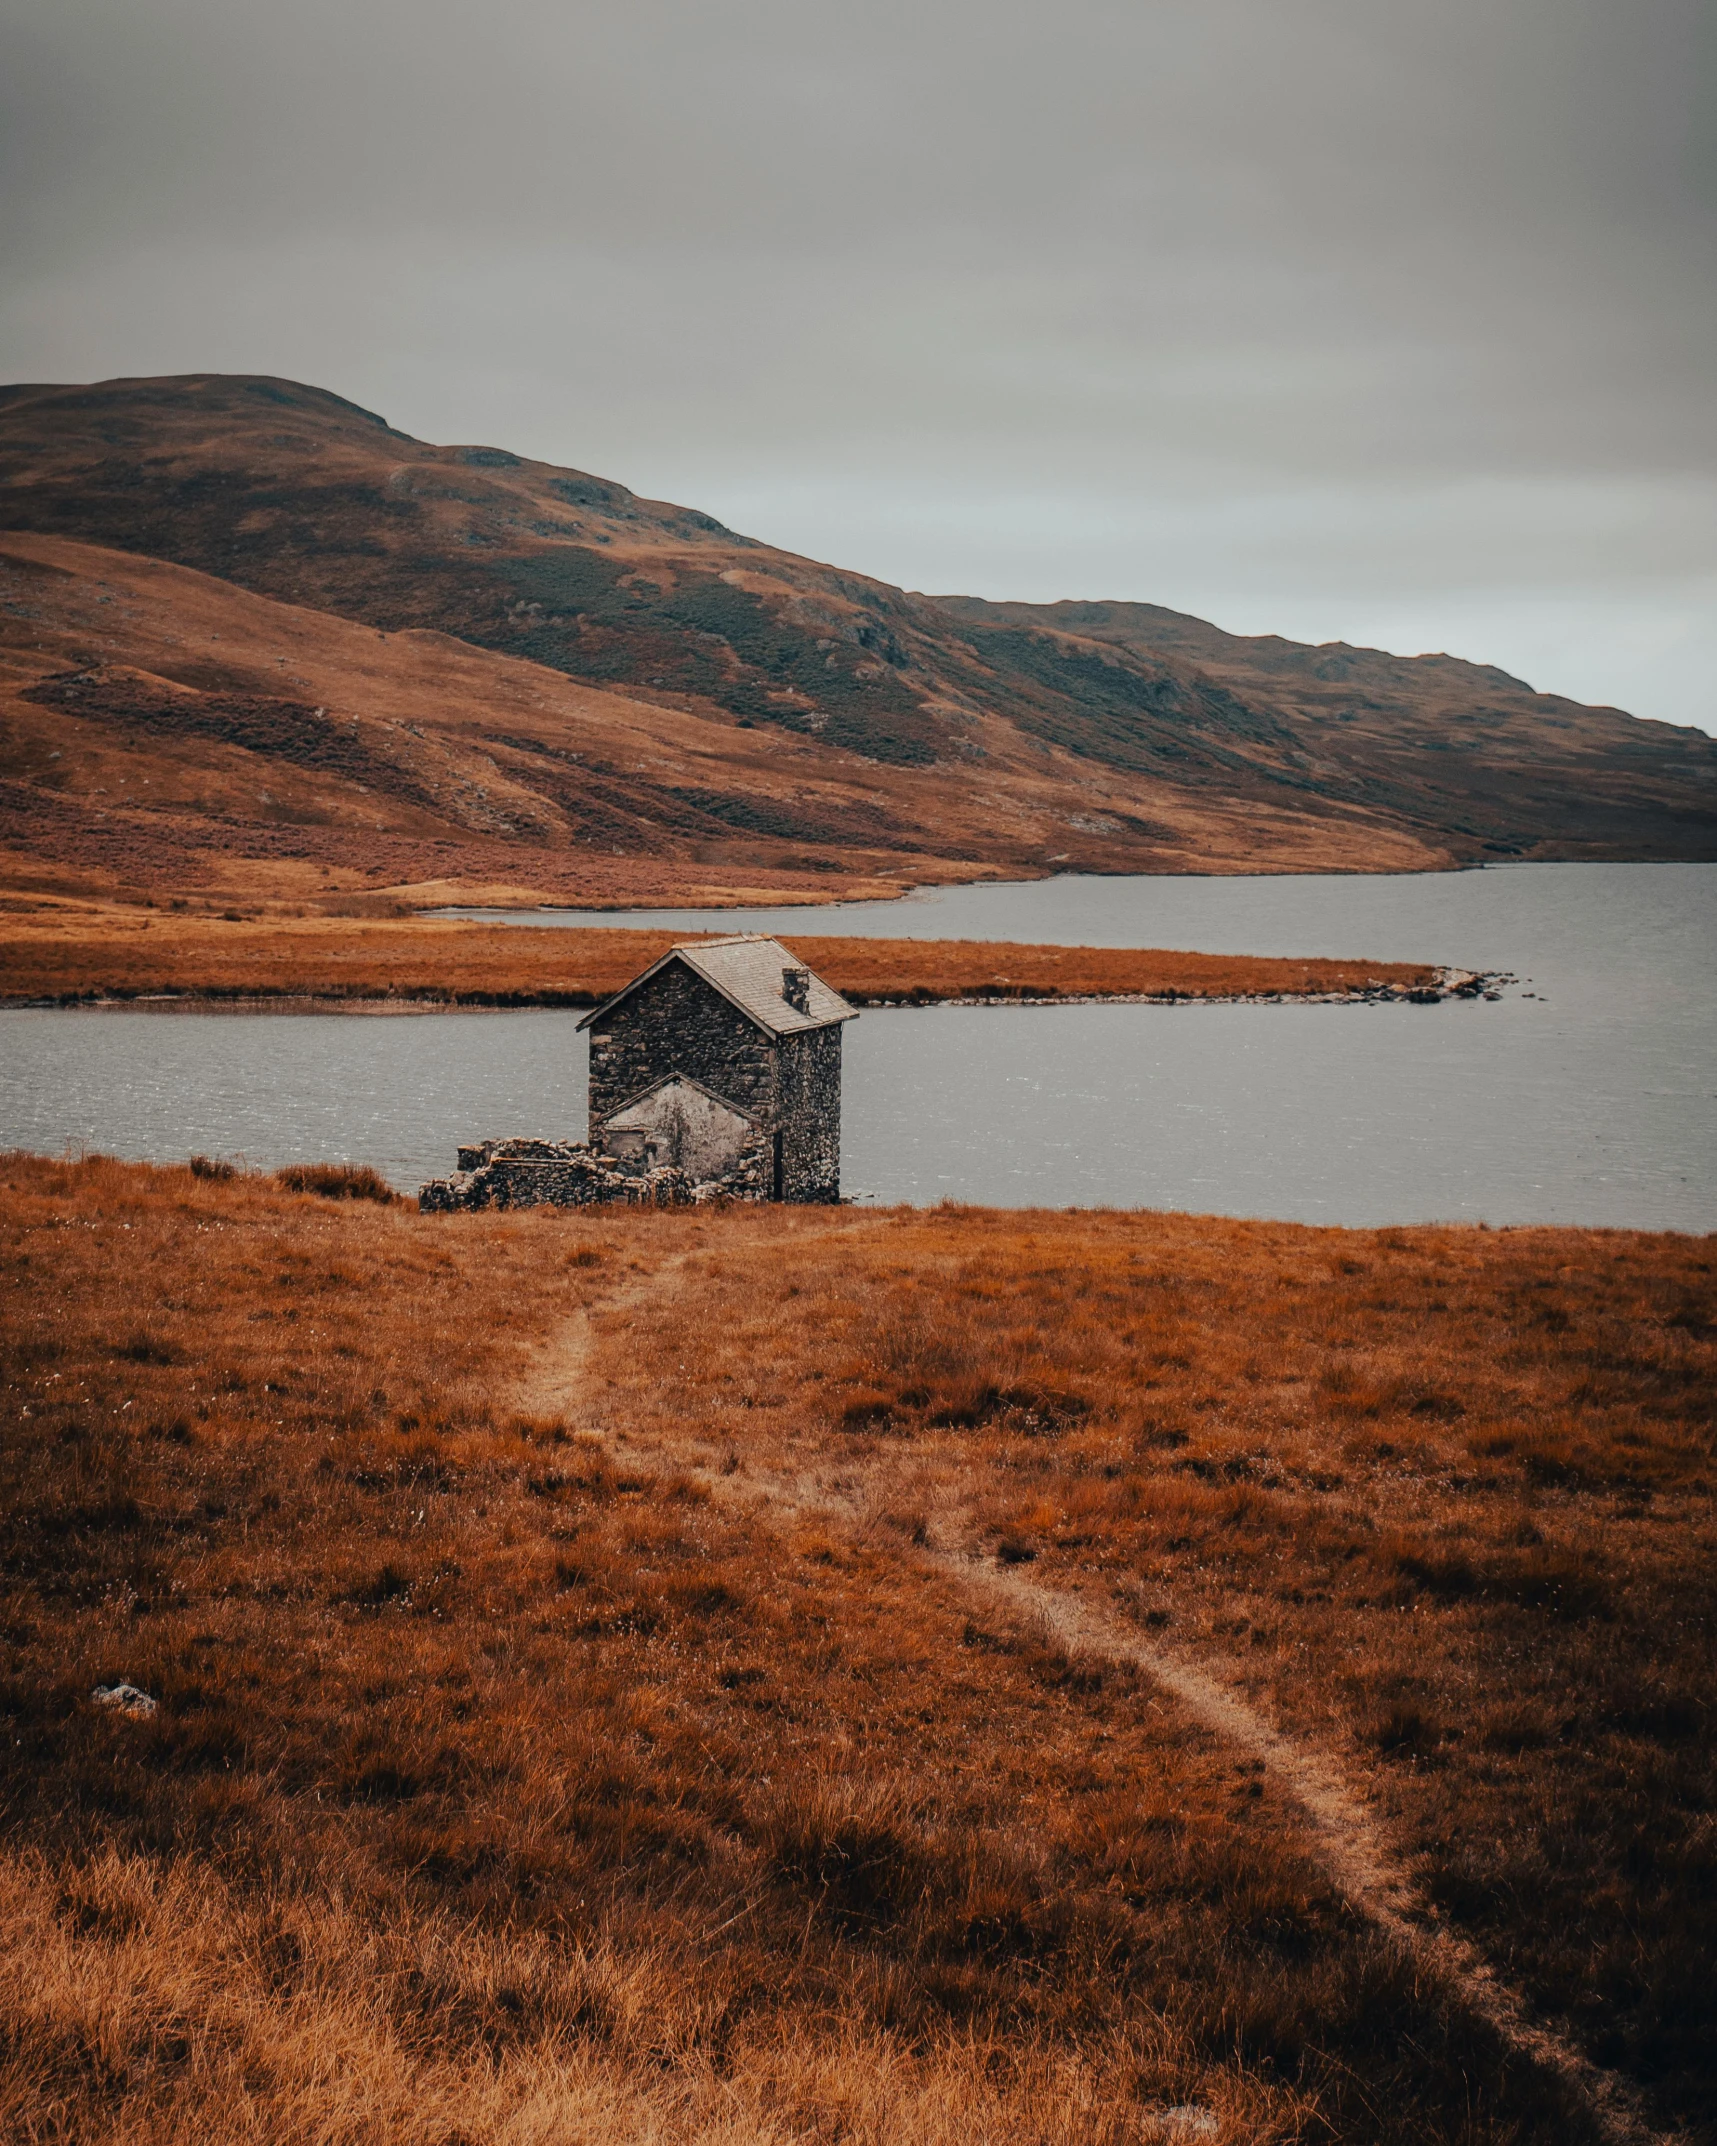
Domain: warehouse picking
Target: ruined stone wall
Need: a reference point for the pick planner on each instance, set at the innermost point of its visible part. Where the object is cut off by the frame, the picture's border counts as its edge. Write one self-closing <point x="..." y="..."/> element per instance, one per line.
<point x="559" y="1173"/>
<point x="809" y="1103"/>
<point x="529" y="1173"/>
<point x="680" y="1122"/>
<point x="677" y="1024"/>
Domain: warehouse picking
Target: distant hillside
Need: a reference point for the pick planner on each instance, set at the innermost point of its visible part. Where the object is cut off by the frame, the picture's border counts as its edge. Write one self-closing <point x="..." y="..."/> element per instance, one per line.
<point x="1458" y="747"/>
<point x="165" y="731"/>
<point x="804" y="718"/>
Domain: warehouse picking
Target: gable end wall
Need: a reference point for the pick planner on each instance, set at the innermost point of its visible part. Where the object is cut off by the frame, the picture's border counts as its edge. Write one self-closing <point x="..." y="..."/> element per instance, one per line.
<point x="676" y="1023"/>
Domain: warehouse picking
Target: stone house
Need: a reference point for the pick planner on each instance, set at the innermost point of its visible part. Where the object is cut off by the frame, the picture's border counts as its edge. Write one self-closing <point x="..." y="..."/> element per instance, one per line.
<point x="715" y="1072"/>
<point x="722" y="1049"/>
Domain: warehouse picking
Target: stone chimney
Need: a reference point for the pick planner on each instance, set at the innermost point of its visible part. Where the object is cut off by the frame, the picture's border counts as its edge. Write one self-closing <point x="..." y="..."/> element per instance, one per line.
<point x="796" y="989"/>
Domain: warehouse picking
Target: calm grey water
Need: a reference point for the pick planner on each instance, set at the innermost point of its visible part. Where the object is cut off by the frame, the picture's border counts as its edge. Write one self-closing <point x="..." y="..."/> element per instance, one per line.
<point x="1589" y="1094"/>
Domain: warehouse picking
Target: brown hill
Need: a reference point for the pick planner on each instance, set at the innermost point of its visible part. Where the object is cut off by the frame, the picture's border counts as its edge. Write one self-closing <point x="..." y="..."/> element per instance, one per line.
<point x="162" y="731"/>
<point x="570" y="671"/>
<point x="1462" y="746"/>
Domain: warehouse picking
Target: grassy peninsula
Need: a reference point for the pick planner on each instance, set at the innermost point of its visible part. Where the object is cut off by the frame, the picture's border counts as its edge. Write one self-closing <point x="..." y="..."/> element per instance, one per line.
<point x="830" y="1674"/>
<point x="75" y="951"/>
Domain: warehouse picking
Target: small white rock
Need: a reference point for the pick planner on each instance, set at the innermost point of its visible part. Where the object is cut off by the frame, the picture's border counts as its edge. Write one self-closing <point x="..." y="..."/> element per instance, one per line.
<point x="1187" y="2121"/>
<point x="125" y="1699"/>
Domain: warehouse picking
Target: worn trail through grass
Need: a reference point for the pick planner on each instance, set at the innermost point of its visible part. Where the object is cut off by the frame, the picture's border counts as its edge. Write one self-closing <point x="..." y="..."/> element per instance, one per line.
<point x="1344" y="1833"/>
<point x="911" y="1676"/>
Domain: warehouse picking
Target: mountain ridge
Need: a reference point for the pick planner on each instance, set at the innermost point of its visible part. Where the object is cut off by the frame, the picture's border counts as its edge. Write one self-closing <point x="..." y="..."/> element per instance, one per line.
<point x="1102" y="735"/>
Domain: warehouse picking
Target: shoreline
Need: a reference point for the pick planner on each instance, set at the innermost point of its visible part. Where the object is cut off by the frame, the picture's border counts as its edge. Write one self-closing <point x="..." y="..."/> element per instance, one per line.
<point x="164" y="957"/>
<point x="1450" y="984"/>
<point x="812" y="901"/>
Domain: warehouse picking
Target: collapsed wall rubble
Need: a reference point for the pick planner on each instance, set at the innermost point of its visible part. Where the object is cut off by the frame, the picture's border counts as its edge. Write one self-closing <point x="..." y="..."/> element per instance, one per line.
<point x="567" y="1173"/>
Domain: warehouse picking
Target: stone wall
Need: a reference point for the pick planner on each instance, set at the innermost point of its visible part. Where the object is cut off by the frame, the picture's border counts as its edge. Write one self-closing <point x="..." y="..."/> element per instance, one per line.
<point x="564" y="1173"/>
<point x="788" y="1086"/>
<point x="809" y="1091"/>
<point x="676" y="1023"/>
<point x="529" y="1173"/>
<point x="679" y="1122"/>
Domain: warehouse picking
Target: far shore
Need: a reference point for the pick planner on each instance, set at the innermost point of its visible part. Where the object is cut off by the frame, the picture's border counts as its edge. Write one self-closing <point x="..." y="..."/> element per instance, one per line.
<point x="1454" y="985"/>
<point x="112" y="955"/>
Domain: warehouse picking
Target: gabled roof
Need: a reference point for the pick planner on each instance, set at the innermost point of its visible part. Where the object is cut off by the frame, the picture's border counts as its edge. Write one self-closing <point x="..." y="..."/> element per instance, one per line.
<point x="747" y="970"/>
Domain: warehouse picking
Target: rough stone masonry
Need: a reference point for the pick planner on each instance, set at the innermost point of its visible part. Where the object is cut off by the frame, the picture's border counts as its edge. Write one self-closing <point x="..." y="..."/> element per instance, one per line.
<point x="714" y="1074"/>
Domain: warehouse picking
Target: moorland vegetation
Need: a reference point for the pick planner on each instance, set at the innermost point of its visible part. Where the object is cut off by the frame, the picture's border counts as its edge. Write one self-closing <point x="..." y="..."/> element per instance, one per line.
<point x="250" y="633"/>
<point x="607" y="1686"/>
<point x="72" y="951"/>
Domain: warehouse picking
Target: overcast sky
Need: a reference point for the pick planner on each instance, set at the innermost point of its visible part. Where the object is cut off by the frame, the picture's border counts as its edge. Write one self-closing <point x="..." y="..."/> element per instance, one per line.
<point x="1384" y="320"/>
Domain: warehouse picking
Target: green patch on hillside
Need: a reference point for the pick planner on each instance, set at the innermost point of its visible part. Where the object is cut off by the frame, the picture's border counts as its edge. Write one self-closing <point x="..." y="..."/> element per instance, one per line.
<point x="1113" y="708"/>
<point x="576" y="611"/>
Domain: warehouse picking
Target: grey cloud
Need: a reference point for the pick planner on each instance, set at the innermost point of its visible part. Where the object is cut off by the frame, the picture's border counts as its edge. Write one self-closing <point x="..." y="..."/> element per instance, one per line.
<point x="1289" y="275"/>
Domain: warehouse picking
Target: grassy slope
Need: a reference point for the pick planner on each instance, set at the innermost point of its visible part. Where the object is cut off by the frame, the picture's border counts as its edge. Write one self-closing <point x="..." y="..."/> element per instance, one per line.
<point x="163" y="729"/>
<point x="1431" y="735"/>
<point x="160" y="729"/>
<point x="77" y="953"/>
<point x="973" y="735"/>
<point x="528" y="1765"/>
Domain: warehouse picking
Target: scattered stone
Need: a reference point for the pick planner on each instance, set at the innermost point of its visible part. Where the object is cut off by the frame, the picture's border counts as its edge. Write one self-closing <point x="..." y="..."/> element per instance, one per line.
<point x="567" y="1173"/>
<point x="125" y="1699"/>
<point x="1187" y="2121"/>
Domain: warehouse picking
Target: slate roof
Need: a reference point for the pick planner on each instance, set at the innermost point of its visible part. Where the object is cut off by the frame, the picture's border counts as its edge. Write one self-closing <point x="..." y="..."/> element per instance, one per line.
<point x="747" y="971"/>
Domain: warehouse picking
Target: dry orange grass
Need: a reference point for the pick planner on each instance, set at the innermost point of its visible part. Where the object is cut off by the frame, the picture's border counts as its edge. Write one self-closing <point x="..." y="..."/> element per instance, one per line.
<point x="1441" y="1498"/>
<point x="523" y="1770"/>
<point x="72" y="953"/>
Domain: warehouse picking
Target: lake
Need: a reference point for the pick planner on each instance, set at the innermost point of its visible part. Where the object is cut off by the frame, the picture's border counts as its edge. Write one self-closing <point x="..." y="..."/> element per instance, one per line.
<point x="1588" y="1094"/>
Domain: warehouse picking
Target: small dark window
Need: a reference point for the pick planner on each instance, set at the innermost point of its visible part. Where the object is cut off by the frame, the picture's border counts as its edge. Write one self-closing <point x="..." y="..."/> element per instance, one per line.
<point x="780" y="1191"/>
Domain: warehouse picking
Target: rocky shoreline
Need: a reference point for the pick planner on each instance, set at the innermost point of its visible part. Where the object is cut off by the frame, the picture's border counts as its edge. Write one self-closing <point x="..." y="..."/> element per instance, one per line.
<point x="1450" y="984"/>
